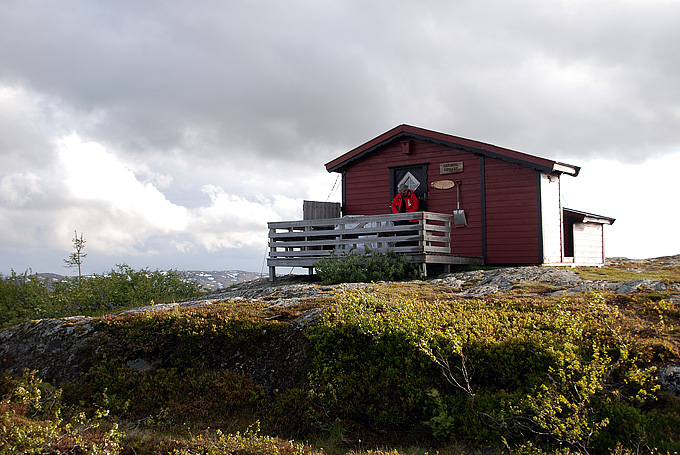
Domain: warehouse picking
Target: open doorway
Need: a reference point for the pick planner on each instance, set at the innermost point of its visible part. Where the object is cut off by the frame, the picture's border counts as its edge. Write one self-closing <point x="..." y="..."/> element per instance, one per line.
<point x="569" y="236"/>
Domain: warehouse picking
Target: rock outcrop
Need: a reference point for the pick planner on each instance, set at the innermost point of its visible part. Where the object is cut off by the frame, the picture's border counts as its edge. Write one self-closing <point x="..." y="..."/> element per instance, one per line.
<point x="484" y="282"/>
<point x="52" y="345"/>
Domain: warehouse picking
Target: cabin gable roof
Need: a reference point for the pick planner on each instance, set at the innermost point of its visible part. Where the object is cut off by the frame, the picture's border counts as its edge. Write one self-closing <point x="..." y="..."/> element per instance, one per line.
<point x="476" y="147"/>
<point x="586" y="217"/>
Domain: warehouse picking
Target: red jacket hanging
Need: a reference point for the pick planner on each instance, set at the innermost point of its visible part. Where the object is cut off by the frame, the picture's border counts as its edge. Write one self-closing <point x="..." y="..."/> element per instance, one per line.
<point x="410" y="202"/>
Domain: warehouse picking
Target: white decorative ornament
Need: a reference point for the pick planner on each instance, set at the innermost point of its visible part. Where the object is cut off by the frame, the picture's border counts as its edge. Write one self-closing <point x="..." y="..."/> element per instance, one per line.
<point x="410" y="181"/>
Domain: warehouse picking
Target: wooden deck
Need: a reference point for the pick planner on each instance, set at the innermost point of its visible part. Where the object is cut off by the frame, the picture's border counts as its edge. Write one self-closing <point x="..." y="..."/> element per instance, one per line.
<point x="426" y="239"/>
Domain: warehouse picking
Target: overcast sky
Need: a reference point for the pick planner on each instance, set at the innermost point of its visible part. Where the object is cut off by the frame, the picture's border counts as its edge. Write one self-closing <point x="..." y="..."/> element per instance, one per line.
<point x="170" y="132"/>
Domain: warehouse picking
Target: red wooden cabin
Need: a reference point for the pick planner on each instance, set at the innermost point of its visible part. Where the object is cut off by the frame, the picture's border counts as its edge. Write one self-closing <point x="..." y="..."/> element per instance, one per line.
<point x="511" y="200"/>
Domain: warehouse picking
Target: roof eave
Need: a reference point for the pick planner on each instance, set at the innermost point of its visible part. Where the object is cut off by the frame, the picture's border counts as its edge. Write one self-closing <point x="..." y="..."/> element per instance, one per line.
<point x="590" y="217"/>
<point x="365" y="148"/>
<point x="480" y="148"/>
<point x="566" y="169"/>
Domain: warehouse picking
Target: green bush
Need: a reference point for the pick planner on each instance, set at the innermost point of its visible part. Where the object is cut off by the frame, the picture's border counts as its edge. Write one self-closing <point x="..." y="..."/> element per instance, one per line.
<point x="377" y="382"/>
<point x="33" y="420"/>
<point x="250" y="442"/>
<point x="353" y="267"/>
<point x="186" y="353"/>
<point x="25" y="297"/>
<point x="123" y="287"/>
<point x="480" y="371"/>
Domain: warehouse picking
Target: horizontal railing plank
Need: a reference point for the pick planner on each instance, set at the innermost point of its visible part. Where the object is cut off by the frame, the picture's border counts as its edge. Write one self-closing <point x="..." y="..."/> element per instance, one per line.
<point x="346" y="232"/>
<point x="302" y="243"/>
<point x="348" y="220"/>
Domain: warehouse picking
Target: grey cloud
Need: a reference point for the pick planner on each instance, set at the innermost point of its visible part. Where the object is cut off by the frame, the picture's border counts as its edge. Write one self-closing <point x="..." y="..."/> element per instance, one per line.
<point x="232" y="77"/>
<point x="283" y="81"/>
<point x="254" y="97"/>
<point x="28" y="124"/>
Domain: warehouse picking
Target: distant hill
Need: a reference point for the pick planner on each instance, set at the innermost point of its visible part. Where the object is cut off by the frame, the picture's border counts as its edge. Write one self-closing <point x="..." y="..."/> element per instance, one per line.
<point x="211" y="280"/>
<point x="218" y="279"/>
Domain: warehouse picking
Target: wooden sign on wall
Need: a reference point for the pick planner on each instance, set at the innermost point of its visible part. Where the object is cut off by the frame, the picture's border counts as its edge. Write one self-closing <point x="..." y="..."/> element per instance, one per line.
<point x="443" y="184"/>
<point x="454" y="167"/>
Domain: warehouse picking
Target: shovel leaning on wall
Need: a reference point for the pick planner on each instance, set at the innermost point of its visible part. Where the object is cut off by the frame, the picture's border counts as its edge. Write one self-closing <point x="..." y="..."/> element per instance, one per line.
<point x="458" y="214"/>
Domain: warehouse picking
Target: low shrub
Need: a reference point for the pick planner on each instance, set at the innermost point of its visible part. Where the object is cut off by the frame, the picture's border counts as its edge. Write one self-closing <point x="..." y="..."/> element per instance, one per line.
<point x="353" y="267"/>
<point x="188" y="357"/>
<point x="123" y="287"/>
<point x="250" y="442"/>
<point x="24" y="297"/>
<point x="34" y="421"/>
<point x="550" y="376"/>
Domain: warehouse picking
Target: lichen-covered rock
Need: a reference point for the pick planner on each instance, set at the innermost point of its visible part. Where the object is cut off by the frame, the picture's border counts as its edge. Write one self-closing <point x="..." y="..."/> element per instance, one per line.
<point x="50" y="346"/>
<point x="669" y="378"/>
<point x="484" y="282"/>
<point x="642" y="285"/>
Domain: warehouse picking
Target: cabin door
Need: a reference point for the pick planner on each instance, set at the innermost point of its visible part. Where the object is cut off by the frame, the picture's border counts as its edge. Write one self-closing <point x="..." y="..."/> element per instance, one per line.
<point x="413" y="176"/>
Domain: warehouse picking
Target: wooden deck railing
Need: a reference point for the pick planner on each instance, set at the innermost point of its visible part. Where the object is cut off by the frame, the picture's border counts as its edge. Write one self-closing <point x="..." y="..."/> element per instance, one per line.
<point x="423" y="237"/>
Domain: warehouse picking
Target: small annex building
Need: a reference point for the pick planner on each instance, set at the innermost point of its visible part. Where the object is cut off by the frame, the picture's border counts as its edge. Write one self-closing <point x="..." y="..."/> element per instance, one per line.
<point x="506" y="204"/>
